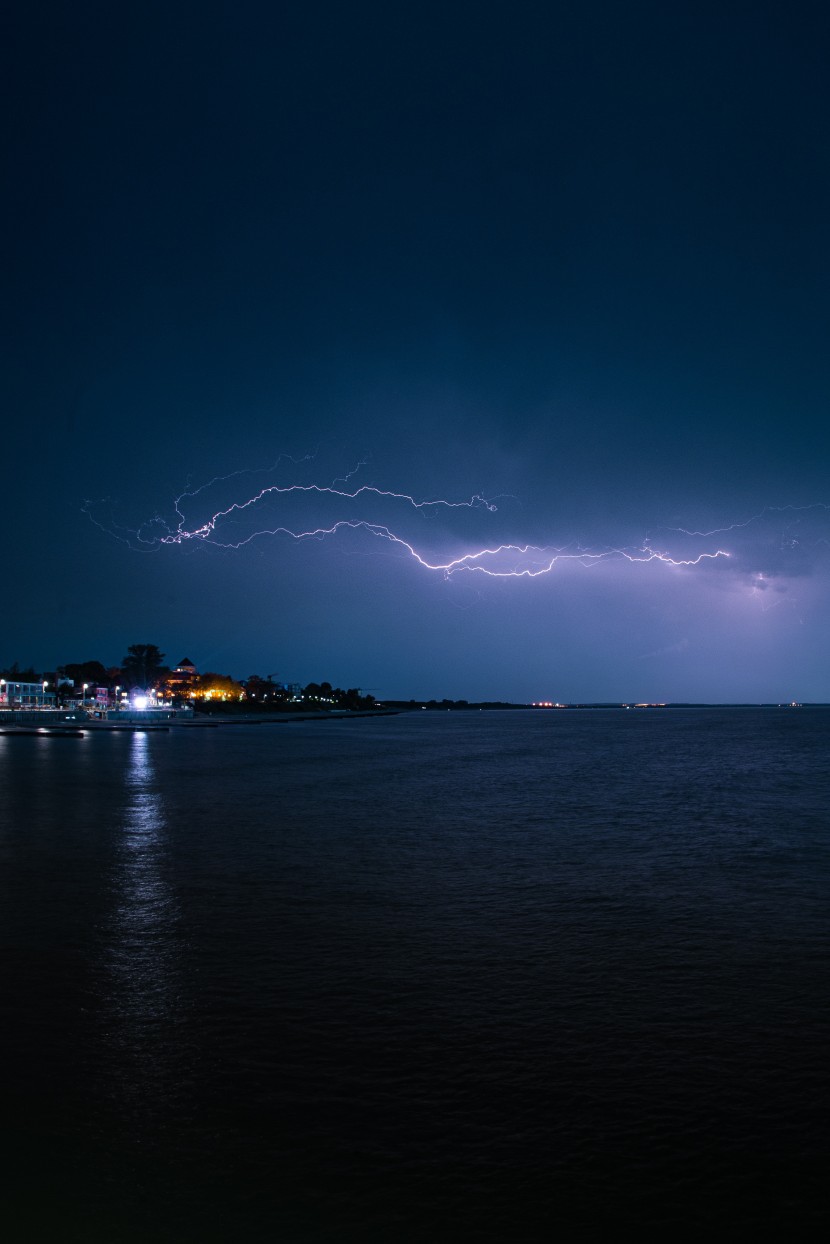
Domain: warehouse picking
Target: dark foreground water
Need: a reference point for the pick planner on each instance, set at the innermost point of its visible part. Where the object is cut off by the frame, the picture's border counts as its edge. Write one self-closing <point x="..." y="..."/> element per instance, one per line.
<point x="439" y="976"/>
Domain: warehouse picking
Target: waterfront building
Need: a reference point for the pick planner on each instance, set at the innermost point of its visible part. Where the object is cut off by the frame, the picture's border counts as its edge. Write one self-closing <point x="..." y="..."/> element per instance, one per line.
<point x="14" y="694"/>
<point x="182" y="680"/>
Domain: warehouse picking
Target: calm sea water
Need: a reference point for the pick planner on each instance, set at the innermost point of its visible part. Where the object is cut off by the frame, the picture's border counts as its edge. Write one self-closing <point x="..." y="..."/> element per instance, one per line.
<point x="436" y="976"/>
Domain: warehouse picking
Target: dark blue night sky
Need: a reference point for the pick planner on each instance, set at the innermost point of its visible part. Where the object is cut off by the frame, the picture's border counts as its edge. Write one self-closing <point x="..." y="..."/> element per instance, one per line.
<point x="570" y="258"/>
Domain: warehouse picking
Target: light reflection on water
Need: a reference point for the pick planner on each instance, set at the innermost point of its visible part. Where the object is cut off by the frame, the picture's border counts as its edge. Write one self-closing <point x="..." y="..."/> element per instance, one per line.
<point x="143" y="952"/>
<point x="431" y="977"/>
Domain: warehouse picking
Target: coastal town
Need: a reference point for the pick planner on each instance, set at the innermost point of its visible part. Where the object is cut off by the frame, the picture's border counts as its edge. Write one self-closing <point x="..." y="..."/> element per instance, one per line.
<point x="143" y="681"/>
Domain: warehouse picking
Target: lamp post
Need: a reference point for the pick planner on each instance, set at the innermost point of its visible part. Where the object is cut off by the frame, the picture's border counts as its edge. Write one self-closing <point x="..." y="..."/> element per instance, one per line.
<point x="83" y="702"/>
<point x="43" y="697"/>
<point x="117" y="701"/>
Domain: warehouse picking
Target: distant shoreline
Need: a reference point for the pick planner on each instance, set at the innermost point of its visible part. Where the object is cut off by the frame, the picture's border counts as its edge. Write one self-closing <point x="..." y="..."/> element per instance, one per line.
<point x="460" y="706"/>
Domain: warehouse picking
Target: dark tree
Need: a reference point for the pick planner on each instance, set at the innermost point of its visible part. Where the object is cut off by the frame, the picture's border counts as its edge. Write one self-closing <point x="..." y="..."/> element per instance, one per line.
<point x="15" y="674"/>
<point x="92" y="672"/>
<point x="143" y="665"/>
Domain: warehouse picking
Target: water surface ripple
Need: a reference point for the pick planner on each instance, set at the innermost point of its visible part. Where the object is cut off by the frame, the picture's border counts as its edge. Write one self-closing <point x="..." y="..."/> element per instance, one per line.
<point x="437" y="976"/>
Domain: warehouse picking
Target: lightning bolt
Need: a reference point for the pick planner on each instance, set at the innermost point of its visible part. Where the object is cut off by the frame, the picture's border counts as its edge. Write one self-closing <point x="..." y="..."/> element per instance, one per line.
<point x="755" y="518"/>
<point x="207" y="530"/>
<point x="506" y="560"/>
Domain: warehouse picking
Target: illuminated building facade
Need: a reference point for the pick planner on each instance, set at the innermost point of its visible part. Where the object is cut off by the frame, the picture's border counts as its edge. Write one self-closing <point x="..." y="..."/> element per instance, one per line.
<point x="183" y="679"/>
<point x="15" y="694"/>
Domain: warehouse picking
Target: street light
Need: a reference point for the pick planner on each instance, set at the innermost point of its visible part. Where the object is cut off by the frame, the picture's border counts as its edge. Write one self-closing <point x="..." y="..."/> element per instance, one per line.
<point x="83" y="702"/>
<point x="117" y="701"/>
